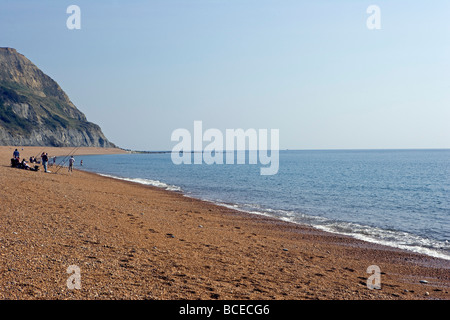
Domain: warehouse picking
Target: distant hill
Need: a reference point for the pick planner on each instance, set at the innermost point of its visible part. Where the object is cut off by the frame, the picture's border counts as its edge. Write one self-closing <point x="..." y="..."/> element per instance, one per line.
<point x="35" y="111"/>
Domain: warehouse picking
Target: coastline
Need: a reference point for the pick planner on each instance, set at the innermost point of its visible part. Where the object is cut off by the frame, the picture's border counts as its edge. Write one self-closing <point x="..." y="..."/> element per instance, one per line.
<point x="393" y="236"/>
<point x="133" y="241"/>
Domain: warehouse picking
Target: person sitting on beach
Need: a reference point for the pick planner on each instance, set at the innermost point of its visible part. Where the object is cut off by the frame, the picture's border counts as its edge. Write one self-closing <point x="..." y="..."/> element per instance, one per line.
<point x="15" y="162"/>
<point x="16" y="154"/>
<point x="25" y="165"/>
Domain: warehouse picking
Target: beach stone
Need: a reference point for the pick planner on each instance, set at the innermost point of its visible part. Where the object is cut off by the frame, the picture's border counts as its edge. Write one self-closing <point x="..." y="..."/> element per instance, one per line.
<point x="423" y="281"/>
<point x="284" y="249"/>
<point x="427" y="293"/>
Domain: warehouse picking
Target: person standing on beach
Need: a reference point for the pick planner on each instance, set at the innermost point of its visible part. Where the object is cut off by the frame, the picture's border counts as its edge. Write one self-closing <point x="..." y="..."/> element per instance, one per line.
<point x="71" y="162"/>
<point x="16" y="154"/>
<point x="44" y="158"/>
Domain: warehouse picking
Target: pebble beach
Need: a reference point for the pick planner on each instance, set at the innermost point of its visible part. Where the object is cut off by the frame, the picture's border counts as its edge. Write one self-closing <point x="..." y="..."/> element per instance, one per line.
<point x="137" y="242"/>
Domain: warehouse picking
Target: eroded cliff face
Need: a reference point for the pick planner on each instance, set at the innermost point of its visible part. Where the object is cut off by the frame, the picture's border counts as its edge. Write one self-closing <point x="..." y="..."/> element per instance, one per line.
<point x="35" y="111"/>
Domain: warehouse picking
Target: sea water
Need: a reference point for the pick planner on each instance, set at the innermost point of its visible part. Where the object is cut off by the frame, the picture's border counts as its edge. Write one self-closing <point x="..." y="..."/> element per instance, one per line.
<point x="399" y="198"/>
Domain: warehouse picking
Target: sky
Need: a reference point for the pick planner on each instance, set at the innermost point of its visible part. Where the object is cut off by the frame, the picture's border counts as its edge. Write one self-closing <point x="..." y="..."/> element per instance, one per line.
<point x="311" y="69"/>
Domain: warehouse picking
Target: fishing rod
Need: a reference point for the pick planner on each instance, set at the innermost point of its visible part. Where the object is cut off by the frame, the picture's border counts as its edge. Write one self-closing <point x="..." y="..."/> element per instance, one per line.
<point x="61" y="164"/>
<point x="40" y="153"/>
<point x="63" y="161"/>
<point x="66" y="157"/>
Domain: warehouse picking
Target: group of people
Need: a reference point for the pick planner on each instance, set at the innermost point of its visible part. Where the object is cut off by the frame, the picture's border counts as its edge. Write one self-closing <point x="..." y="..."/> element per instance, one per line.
<point x="22" y="164"/>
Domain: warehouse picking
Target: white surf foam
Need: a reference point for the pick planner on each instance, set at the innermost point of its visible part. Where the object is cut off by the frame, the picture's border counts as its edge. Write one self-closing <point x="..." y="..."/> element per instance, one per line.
<point x="390" y="238"/>
<point x="148" y="182"/>
<point x="395" y="239"/>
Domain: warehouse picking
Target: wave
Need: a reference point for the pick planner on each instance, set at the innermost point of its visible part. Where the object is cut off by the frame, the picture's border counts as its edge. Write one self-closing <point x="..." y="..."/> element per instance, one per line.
<point x="148" y="182"/>
<point x="392" y="238"/>
<point x="396" y="239"/>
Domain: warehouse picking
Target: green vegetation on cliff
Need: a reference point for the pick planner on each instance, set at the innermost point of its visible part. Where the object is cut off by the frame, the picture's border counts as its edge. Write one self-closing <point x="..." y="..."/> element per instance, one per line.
<point x="34" y="110"/>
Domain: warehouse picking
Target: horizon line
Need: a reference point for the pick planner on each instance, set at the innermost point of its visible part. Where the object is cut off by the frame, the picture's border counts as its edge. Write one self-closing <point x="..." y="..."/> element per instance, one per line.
<point x="330" y="149"/>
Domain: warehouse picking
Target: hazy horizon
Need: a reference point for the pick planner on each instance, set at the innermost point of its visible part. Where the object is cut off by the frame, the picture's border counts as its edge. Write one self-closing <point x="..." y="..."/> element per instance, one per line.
<point x="315" y="71"/>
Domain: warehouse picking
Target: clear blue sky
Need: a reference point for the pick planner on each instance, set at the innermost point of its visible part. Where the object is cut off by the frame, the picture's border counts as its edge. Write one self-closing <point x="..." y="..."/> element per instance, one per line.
<point x="312" y="69"/>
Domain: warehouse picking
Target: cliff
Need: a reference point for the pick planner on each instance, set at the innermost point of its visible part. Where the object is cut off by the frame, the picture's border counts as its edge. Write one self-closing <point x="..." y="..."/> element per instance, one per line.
<point x="35" y="111"/>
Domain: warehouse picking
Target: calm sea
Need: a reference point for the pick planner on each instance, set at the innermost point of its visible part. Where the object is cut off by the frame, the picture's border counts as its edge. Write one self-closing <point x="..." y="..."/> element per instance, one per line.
<point x="399" y="198"/>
